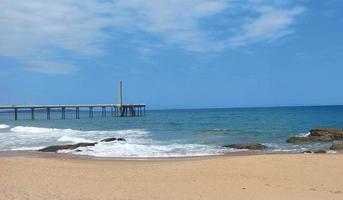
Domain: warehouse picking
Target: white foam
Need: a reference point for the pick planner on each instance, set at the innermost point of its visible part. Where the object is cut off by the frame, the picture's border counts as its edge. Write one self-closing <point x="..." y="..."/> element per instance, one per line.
<point x="128" y="150"/>
<point x="38" y="130"/>
<point x="27" y="136"/>
<point x="26" y="148"/>
<point x="303" y="134"/>
<point x="2" y="126"/>
<point x="73" y="139"/>
<point x="30" y="130"/>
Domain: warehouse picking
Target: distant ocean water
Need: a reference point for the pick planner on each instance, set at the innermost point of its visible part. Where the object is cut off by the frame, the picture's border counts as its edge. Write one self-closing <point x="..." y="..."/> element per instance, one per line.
<point x="170" y="133"/>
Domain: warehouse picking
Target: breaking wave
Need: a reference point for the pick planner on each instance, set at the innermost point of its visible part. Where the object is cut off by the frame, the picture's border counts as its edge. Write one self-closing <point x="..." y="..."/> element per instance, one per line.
<point x="3" y="126"/>
<point x="137" y="145"/>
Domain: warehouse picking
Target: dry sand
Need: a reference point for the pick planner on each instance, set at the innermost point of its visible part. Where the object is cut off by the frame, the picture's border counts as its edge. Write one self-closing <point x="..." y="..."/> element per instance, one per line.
<point x="293" y="176"/>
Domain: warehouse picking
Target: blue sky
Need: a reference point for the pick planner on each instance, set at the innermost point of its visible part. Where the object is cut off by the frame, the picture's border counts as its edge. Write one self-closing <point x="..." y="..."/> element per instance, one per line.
<point x="172" y="53"/>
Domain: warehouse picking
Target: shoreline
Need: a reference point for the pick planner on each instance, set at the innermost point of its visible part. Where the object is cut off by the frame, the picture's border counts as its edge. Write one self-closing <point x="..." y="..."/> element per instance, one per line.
<point x="266" y="176"/>
<point x="34" y="154"/>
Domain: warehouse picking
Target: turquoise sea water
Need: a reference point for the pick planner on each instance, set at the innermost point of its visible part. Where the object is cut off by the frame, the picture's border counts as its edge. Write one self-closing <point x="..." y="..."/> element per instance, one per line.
<point x="170" y="133"/>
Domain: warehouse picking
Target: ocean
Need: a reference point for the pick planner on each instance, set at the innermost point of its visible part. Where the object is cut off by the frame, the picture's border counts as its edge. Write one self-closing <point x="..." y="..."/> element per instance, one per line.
<point x="170" y="133"/>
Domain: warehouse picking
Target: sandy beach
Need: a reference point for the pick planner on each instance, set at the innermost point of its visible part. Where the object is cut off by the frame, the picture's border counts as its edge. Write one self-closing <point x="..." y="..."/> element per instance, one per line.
<point x="289" y="176"/>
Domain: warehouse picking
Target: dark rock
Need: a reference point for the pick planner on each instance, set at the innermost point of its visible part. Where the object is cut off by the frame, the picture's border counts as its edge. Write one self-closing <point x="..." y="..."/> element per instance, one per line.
<point x="319" y="151"/>
<point x="299" y="140"/>
<point x="251" y="146"/>
<point x="307" y="151"/>
<point x="319" y="135"/>
<point x="334" y="133"/>
<point x="338" y="146"/>
<point x="113" y="139"/>
<point x="55" y="148"/>
<point x="314" y="151"/>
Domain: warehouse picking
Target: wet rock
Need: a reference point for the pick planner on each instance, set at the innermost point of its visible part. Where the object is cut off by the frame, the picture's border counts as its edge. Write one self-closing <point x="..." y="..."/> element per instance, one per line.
<point x="334" y="133"/>
<point x="307" y="151"/>
<point x="338" y="146"/>
<point x="319" y="135"/>
<point x="250" y="146"/>
<point x="319" y="151"/>
<point x="55" y="148"/>
<point x="314" y="151"/>
<point x="113" y="139"/>
<point x="299" y="140"/>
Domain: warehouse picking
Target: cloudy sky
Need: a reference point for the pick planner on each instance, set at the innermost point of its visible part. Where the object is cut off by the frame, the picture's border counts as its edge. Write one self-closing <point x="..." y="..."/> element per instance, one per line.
<point x="172" y="53"/>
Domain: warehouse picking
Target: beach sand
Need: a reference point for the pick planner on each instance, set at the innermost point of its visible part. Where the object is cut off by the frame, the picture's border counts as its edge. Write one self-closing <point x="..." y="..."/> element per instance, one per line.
<point x="289" y="176"/>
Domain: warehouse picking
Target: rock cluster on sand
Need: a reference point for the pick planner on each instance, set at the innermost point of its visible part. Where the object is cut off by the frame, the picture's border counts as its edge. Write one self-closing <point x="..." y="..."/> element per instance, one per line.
<point x="55" y="148"/>
<point x="250" y="146"/>
<point x="319" y="135"/>
<point x="314" y="151"/>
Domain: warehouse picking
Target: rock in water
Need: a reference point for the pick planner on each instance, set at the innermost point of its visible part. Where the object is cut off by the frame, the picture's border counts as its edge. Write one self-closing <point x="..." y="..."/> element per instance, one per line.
<point x="55" y="148"/>
<point x="335" y="133"/>
<point x="113" y="139"/>
<point x="319" y="135"/>
<point x="250" y="146"/>
<point x="337" y="146"/>
<point x="299" y="140"/>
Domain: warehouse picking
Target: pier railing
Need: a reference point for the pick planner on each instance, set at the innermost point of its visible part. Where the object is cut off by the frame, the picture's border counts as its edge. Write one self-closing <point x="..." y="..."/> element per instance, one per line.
<point x="117" y="110"/>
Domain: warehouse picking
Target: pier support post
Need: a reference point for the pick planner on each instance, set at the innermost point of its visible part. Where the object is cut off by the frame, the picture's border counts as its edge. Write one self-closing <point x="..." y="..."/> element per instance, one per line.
<point x="63" y="112"/>
<point x="90" y="112"/>
<point x="103" y="112"/>
<point x="32" y="113"/>
<point x="77" y="112"/>
<point x="48" y="113"/>
<point x="15" y="113"/>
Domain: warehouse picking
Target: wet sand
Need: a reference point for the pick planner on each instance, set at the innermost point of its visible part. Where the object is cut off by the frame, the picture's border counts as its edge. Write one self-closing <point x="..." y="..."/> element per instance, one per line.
<point x="285" y="176"/>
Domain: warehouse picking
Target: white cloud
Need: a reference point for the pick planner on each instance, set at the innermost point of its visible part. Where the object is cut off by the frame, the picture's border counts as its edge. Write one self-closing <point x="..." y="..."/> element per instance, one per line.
<point x="270" y="25"/>
<point x="37" y="30"/>
<point x="48" y="67"/>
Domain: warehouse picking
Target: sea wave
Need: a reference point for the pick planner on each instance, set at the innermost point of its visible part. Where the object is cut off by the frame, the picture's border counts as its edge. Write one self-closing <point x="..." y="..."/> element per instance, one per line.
<point x="55" y="132"/>
<point x="33" y="138"/>
<point x="3" y="126"/>
<point x="73" y="139"/>
<point x="135" y="150"/>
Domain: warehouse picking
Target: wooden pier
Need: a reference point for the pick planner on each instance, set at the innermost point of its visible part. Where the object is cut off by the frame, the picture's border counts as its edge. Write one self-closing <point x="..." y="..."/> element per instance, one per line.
<point x="116" y="110"/>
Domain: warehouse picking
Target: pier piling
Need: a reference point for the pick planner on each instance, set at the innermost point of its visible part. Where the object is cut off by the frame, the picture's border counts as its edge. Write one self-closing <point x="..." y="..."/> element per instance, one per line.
<point x="117" y="110"/>
<point x="48" y="113"/>
<point x="90" y="112"/>
<point x="32" y="113"/>
<point x="63" y="113"/>
<point x="77" y="112"/>
<point x="15" y="114"/>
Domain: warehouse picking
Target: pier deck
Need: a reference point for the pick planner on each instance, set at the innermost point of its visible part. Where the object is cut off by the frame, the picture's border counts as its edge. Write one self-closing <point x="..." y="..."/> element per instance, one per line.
<point x="117" y="110"/>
